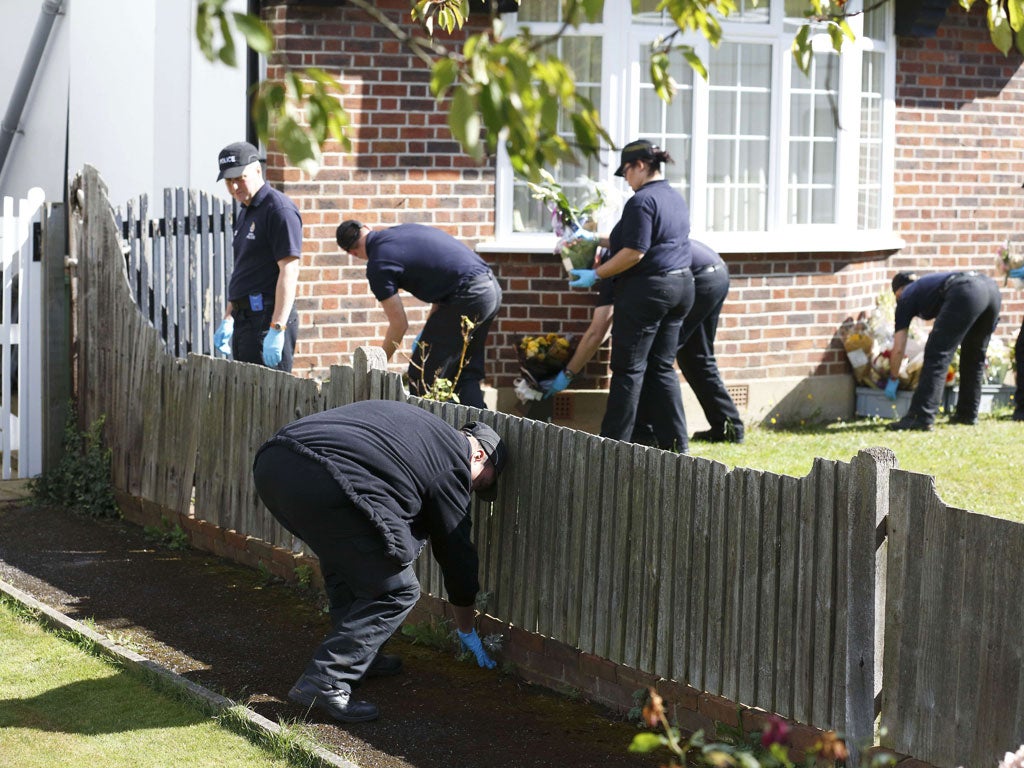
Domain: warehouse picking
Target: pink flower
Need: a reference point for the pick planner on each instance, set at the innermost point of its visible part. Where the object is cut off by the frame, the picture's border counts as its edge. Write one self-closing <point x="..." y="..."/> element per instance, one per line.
<point x="775" y="731"/>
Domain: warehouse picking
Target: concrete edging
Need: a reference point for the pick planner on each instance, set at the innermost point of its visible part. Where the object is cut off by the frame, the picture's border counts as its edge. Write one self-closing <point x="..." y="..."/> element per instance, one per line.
<point x="57" y="620"/>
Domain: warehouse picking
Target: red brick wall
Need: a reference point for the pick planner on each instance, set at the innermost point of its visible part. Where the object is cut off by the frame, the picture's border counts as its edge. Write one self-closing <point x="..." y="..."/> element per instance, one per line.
<point x="959" y="152"/>
<point x="959" y="167"/>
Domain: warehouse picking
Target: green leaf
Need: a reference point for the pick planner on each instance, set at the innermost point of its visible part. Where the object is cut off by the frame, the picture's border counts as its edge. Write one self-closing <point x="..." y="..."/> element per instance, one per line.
<point x="257" y="35"/>
<point x="802" y="48"/>
<point x="227" y="51"/>
<point x="999" y="26"/>
<point x="1016" y="11"/>
<point x="465" y="122"/>
<point x="297" y="145"/>
<point x="695" y="63"/>
<point x="647" y="742"/>
<point x="443" y="75"/>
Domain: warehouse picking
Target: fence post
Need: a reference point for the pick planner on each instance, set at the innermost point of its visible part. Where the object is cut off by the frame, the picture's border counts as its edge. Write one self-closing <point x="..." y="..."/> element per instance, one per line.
<point x="56" y="326"/>
<point x="865" y="617"/>
<point x="364" y="360"/>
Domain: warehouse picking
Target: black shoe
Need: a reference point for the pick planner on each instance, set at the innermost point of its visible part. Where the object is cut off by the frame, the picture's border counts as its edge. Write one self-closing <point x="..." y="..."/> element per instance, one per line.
<point x="719" y="436"/>
<point x="1018" y="415"/>
<point x="384" y="665"/>
<point x="337" y="703"/>
<point x="909" y="423"/>
<point x="964" y="420"/>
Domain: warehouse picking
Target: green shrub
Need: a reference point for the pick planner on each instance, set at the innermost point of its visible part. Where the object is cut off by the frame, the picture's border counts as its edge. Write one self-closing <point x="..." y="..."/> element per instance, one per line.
<point x="81" y="481"/>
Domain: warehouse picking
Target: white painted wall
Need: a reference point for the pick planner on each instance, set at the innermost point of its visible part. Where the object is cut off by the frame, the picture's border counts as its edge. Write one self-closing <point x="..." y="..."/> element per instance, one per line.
<point x="146" y="108"/>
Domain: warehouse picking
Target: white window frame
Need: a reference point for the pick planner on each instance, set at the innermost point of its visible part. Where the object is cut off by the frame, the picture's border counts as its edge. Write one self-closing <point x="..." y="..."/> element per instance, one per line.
<point x="620" y="76"/>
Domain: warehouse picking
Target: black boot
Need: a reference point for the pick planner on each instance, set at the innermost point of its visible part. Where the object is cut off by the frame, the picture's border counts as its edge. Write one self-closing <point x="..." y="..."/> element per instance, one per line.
<point x="336" y="702"/>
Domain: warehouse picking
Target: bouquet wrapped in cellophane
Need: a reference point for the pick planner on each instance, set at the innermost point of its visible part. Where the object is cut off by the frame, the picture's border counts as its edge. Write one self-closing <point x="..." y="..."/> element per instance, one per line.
<point x="541" y="358"/>
<point x="868" y="344"/>
<point x="1011" y="257"/>
<point x="573" y="224"/>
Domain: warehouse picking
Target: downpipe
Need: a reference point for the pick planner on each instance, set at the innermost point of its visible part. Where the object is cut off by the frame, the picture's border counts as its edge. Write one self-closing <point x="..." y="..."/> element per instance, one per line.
<point x="29" y="67"/>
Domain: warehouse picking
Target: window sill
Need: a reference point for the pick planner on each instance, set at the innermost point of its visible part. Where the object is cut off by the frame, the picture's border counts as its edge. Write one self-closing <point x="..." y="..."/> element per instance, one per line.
<point x="810" y="240"/>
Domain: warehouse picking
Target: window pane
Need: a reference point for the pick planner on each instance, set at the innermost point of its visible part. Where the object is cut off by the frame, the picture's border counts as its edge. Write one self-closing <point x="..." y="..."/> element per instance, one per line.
<point x="874" y="21"/>
<point x="812" y="143"/>
<point x="722" y="114"/>
<point x="540" y="10"/>
<point x="756" y="109"/>
<point x="869" y="210"/>
<point x="739" y="128"/>
<point x="583" y="55"/>
<point x="668" y="125"/>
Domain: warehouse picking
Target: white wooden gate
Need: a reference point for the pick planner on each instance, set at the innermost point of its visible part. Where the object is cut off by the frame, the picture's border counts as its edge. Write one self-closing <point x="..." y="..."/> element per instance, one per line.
<point x="21" y="338"/>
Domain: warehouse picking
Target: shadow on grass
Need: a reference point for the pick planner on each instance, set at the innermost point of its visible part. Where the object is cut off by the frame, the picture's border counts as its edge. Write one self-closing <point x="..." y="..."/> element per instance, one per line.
<point x="113" y="704"/>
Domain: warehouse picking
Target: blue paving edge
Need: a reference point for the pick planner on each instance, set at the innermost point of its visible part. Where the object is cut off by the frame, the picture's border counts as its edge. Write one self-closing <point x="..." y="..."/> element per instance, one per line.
<point x="57" y="620"/>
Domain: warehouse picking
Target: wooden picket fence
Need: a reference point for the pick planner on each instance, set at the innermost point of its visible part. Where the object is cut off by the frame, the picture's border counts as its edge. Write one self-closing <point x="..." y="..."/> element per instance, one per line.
<point x="179" y="264"/>
<point x="809" y="597"/>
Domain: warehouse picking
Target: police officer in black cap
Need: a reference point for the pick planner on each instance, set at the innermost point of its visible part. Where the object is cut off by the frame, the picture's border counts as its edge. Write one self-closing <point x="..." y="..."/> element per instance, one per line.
<point x="965" y="307"/>
<point x="366" y="486"/>
<point x="260" y="322"/>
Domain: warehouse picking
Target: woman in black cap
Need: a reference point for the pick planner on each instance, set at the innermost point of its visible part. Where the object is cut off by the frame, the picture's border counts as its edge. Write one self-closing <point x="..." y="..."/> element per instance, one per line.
<point x="965" y="307"/>
<point x="652" y="292"/>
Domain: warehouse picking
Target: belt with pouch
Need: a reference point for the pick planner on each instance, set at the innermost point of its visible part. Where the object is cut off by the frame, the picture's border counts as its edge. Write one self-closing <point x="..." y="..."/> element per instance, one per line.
<point x="707" y="268"/>
<point x="953" y="278"/>
<point x="243" y="304"/>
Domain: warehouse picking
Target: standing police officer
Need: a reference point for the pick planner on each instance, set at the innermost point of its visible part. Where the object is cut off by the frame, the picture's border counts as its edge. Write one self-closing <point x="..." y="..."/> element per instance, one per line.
<point x="260" y="322"/>
<point x="965" y="307"/>
<point x="434" y="267"/>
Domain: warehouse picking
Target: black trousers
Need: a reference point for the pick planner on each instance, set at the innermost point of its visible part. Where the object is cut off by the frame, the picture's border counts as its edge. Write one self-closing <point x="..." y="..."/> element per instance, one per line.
<point x="696" y="356"/>
<point x="369" y="593"/>
<point x="969" y="313"/>
<point x="649" y="312"/>
<point x="1018" y="353"/>
<point x="440" y="348"/>
<point x="251" y="328"/>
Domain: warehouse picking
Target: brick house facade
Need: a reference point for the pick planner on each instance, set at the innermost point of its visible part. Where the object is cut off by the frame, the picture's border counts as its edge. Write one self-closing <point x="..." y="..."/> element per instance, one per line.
<point x="959" y="164"/>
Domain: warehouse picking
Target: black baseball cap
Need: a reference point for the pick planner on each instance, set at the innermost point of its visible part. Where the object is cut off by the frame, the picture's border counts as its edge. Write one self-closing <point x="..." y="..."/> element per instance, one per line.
<point x="234" y="158"/>
<point x="496" y="453"/>
<point x="901" y="279"/>
<point x="641" y="149"/>
<point x="348" y="233"/>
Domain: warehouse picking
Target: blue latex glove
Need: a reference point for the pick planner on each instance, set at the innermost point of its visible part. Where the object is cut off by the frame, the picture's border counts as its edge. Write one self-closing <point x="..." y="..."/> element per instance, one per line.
<point x="1017" y="273"/>
<point x="561" y="382"/>
<point x="471" y="642"/>
<point x="891" y="387"/>
<point x="273" y="345"/>
<point x="415" y="343"/>
<point x="584" y="278"/>
<point x="222" y="336"/>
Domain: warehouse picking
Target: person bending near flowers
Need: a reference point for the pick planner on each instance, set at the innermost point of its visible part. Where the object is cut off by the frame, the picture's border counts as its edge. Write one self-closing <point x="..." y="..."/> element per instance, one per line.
<point x="652" y="290"/>
<point x="436" y="268"/>
<point x="965" y="307"/>
<point x="696" y="355"/>
<point x="366" y="486"/>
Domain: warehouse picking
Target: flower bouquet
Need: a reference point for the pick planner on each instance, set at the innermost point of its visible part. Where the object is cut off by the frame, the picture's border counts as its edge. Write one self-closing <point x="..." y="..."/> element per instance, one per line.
<point x="573" y="224"/>
<point x="541" y="358"/>
<point x="1011" y="257"/>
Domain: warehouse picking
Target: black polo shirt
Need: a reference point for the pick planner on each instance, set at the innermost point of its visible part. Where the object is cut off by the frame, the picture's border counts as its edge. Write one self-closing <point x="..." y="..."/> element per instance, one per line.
<point x="656" y="222"/>
<point x="921" y="298"/>
<point x="268" y="229"/>
<point x="422" y="260"/>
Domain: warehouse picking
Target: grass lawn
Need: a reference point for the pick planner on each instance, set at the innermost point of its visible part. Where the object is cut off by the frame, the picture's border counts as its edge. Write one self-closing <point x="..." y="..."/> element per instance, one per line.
<point x="62" y="706"/>
<point x="976" y="468"/>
